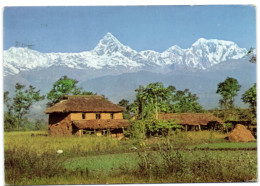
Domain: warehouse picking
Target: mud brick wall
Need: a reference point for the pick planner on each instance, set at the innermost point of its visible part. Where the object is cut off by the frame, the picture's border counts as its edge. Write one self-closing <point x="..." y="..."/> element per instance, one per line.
<point x="60" y="124"/>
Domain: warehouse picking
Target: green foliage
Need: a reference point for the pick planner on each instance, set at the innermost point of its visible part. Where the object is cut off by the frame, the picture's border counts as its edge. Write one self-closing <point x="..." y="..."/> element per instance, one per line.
<point x="196" y="166"/>
<point x="138" y="106"/>
<point x="159" y="127"/>
<point x="125" y="103"/>
<point x="154" y="94"/>
<point x="10" y="121"/>
<point x="227" y="127"/>
<point x="40" y="125"/>
<point x="250" y="97"/>
<point x="225" y="145"/>
<point x="185" y="101"/>
<point x="19" y="105"/>
<point x="21" y="164"/>
<point x="102" y="160"/>
<point x="28" y="125"/>
<point x="237" y="114"/>
<point x="166" y="162"/>
<point x="152" y="127"/>
<point x="64" y="86"/>
<point x="155" y="98"/>
<point x="137" y="129"/>
<point x="228" y="90"/>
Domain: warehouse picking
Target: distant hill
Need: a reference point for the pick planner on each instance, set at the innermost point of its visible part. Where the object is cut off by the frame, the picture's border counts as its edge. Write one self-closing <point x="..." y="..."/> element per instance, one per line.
<point x="203" y="83"/>
<point x="116" y="70"/>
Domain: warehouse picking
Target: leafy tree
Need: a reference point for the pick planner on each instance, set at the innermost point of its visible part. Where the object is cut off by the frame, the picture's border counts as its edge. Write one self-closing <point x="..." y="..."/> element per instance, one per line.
<point x="228" y="90"/>
<point x="138" y="105"/>
<point x="39" y="125"/>
<point x="150" y="127"/>
<point x="250" y="97"/>
<point x="155" y="94"/>
<point x="155" y="98"/>
<point x="9" y="118"/>
<point x="125" y="103"/>
<point x="64" y="86"/>
<point x="185" y="101"/>
<point x="159" y="127"/>
<point x="21" y="103"/>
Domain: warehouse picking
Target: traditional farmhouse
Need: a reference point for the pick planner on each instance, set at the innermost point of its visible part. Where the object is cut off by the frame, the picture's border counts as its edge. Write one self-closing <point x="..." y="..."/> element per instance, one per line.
<point x="80" y="115"/>
<point x="193" y="121"/>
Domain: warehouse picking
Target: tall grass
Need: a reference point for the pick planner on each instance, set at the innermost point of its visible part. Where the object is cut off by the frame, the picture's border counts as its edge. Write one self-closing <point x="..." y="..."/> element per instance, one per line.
<point x="22" y="165"/>
<point x="98" y="160"/>
<point x="179" y="166"/>
<point x="70" y="145"/>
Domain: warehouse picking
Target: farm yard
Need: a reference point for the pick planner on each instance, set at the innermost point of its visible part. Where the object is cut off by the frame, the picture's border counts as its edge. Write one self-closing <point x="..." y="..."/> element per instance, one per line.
<point x="181" y="157"/>
<point x="163" y="136"/>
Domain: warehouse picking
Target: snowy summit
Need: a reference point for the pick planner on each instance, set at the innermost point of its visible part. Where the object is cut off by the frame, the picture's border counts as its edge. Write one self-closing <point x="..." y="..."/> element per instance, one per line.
<point x="110" y="53"/>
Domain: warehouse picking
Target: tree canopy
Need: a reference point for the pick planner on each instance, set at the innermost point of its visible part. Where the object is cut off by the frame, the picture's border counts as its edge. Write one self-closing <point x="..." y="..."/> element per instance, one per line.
<point x="185" y="101"/>
<point x="155" y="98"/>
<point x="250" y="97"/>
<point x="20" y="104"/>
<point x="228" y="89"/>
<point x="64" y="86"/>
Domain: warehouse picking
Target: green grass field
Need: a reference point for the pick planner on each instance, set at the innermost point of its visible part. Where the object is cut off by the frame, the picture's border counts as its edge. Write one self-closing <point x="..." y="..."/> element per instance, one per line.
<point x="228" y="145"/>
<point x="32" y="160"/>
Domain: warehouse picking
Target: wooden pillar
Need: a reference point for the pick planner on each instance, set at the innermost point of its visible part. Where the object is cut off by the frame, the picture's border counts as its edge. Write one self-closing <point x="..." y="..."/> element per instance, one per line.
<point x="80" y="132"/>
<point x="186" y="128"/>
<point x="199" y="128"/>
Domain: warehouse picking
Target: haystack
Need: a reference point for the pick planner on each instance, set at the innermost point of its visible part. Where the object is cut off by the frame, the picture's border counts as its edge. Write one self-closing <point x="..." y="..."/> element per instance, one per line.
<point x="240" y="134"/>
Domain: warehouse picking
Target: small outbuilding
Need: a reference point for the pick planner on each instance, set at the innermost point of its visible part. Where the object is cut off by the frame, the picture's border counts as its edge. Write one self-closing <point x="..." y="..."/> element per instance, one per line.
<point x="193" y="121"/>
<point x="91" y="114"/>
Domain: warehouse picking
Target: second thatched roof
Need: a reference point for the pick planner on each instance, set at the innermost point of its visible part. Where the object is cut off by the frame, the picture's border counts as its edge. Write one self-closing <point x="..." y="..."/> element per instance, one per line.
<point x="89" y="103"/>
<point x="191" y="118"/>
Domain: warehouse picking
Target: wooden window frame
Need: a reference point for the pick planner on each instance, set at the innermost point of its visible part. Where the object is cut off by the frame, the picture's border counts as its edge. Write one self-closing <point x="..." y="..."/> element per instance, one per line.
<point x="112" y="116"/>
<point x="98" y="116"/>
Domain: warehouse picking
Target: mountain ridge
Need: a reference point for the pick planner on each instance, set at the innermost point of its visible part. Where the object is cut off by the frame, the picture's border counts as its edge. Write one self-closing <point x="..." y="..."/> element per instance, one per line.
<point x="110" y="53"/>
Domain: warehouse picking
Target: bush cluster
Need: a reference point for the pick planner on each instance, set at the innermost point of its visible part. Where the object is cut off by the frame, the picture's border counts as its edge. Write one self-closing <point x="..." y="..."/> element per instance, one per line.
<point x="180" y="166"/>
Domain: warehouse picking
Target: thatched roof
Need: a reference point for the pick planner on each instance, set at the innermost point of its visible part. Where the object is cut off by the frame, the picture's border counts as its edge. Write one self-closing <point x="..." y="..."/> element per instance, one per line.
<point x="101" y="123"/>
<point x="90" y="103"/>
<point x="191" y="118"/>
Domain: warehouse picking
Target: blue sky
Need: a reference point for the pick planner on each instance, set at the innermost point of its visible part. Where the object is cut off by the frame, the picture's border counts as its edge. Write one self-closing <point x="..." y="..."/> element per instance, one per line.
<point x="76" y="29"/>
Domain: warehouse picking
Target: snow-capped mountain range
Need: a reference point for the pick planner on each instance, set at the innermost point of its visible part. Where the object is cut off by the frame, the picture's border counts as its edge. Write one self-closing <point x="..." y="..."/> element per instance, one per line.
<point x="111" y="54"/>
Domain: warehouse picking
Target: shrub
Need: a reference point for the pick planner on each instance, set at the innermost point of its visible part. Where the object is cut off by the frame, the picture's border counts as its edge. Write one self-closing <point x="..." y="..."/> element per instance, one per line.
<point x="137" y="129"/>
<point x="22" y="165"/>
<point x="196" y="166"/>
<point x="152" y="127"/>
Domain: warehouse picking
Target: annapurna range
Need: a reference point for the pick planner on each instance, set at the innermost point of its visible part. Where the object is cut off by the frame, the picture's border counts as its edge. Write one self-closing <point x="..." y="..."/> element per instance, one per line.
<point x="116" y="70"/>
<point x="110" y="54"/>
